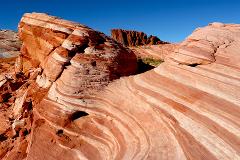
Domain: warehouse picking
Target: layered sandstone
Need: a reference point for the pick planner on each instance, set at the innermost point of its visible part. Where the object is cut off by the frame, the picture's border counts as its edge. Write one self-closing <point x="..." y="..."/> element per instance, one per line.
<point x="9" y="49"/>
<point x="71" y="60"/>
<point x="75" y="56"/>
<point x="134" y="38"/>
<point x="175" y="111"/>
<point x="161" y="51"/>
<point x="206" y="43"/>
<point x="187" y="108"/>
<point x="9" y="44"/>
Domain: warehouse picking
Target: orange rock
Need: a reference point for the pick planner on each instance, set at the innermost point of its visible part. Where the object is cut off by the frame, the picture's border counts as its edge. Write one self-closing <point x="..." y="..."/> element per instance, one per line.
<point x="134" y="38"/>
<point x="186" y="108"/>
<point x="55" y="52"/>
<point x="160" y="51"/>
<point x="176" y="111"/>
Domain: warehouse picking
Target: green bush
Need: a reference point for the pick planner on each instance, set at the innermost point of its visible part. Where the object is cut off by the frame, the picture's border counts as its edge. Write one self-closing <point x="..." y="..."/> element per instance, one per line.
<point x="146" y="64"/>
<point x="151" y="61"/>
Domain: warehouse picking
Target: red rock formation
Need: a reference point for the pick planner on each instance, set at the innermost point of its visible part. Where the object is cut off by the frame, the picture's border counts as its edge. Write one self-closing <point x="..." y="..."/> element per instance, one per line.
<point x="72" y="59"/>
<point x="9" y="84"/>
<point x="134" y="38"/>
<point x="202" y="46"/>
<point x="187" y="108"/>
<point x="175" y="111"/>
<point x="66" y="50"/>
<point x="160" y="51"/>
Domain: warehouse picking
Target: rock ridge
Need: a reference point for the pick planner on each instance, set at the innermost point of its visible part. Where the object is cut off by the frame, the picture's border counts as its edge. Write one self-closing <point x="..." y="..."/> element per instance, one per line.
<point x="131" y="38"/>
<point x="203" y="44"/>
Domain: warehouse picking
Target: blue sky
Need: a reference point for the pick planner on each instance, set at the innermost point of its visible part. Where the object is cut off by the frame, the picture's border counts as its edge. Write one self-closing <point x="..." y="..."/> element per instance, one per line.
<point x="170" y="20"/>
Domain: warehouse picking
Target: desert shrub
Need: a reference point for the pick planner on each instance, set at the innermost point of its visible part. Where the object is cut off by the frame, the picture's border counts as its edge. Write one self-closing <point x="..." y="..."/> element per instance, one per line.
<point x="151" y="61"/>
<point x="146" y="64"/>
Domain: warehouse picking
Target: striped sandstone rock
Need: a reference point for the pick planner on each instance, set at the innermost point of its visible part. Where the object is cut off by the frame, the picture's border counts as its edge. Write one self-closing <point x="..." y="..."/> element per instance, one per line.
<point x="74" y="56"/>
<point x="187" y="108"/>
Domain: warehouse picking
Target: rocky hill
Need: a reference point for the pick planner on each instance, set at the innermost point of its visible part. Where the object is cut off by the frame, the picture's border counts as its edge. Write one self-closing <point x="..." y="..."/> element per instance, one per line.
<point x="9" y="49"/>
<point x="9" y="44"/>
<point x="66" y="100"/>
<point x="66" y="58"/>
<point x="160" y="51"/>
<point x="134" y="38"/>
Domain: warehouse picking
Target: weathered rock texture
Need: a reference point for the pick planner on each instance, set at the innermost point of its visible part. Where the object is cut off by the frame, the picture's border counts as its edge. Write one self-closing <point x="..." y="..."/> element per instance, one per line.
<point x="72" y="60"/>
<point x="78" y="57"/>
<point x="175" y="111"/>
<point x="204" y="45"/>
<point x="134" y="38"/>
<point x="160" y="51"/>
<point x="9" y="44"/>
<point x="187" y="108"/>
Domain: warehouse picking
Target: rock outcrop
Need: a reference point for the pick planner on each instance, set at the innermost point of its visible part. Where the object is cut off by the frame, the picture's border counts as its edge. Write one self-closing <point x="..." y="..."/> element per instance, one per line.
<point x="205" y="44"/>
<point x="70" y="60"/>
<point x="187" y="108"/>
<point x="78" y="57"/>
<point x="134" y="38"/>
<point x="9" y="44"/>
<point x="161" y="51"/>
<point x="175" y="111"/>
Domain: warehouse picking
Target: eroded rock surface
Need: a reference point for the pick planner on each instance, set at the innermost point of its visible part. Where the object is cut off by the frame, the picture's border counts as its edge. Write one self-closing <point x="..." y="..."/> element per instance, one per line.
<point x="134" y="38"/>
<point x="160" y="51"/>
<point x="9" y="49"/>
<point x="176" y="111"/>
<point x="9" y="44"/>
<point x="206" y="43"/>
<point x="68" y="59"/>
<point x="78" y="57"/>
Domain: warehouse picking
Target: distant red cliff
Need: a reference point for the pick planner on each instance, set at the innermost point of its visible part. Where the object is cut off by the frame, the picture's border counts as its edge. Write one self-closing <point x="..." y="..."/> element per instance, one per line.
<point x="134" y="38"/>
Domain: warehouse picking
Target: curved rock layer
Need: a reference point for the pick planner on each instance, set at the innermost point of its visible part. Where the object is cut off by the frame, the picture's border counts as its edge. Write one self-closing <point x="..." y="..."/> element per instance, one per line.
<point x="70" y="60"/>
<point x="78" y="58"/>
<point x="205" y="44"/>
<point x="175" y="111"/>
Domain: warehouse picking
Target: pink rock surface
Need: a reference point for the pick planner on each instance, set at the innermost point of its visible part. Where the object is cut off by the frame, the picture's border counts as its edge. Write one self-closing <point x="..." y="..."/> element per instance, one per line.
<point x="187" y="108"/>
<point x="160" y="51"/>
<point x="76" y="57"/>
<point x="175" y="111"/>
<point x="204" y="44"/>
